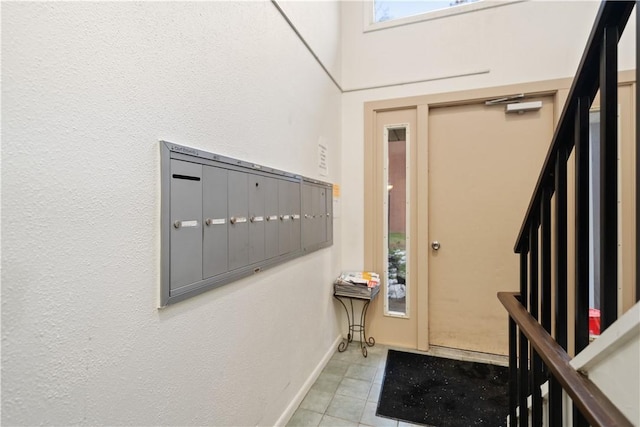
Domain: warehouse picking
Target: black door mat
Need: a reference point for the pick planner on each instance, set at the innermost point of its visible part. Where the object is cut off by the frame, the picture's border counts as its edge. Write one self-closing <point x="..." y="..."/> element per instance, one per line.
<point x="441" y="392"/>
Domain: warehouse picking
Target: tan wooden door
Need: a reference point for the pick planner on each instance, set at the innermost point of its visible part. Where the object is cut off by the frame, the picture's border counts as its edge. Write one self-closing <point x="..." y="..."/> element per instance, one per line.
<point x="483" y="166"/>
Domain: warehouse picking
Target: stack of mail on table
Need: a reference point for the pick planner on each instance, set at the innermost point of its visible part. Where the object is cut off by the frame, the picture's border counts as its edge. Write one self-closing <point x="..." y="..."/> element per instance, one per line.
<point x="357" y="284"/>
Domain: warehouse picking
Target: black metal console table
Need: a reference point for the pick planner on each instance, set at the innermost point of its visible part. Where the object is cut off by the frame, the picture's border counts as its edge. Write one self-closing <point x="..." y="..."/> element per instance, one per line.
<point x="359" y="328"/>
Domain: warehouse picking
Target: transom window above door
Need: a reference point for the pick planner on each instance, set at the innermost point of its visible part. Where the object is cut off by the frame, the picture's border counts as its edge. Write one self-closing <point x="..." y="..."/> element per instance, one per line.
<point x="381" y="14"/>
<point x="388" y="10"/>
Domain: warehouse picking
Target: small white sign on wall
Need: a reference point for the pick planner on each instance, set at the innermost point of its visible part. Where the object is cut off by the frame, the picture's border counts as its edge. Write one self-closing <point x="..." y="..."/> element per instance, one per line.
<point x="323" y="161"/>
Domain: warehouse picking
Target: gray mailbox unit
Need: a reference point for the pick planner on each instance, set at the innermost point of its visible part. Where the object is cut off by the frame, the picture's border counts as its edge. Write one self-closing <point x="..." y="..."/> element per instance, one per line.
<point x="224" y="219"/>
<point x="317" y="204"/>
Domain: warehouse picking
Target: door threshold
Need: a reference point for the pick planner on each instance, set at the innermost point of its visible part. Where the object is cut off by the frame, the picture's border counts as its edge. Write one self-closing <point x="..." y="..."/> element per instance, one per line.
<point x="468" y="355"/>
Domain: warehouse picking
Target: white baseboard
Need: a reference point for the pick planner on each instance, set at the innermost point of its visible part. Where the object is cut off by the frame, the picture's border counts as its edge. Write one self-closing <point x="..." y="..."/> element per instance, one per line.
<point x="291" y="408"/>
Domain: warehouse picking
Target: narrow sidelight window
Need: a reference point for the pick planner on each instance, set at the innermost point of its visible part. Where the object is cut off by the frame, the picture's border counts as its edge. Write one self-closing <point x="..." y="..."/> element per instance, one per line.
<point x="396" y="214"/>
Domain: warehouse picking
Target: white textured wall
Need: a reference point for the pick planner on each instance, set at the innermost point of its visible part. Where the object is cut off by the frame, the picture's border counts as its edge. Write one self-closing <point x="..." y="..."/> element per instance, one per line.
<point x="88" y="89"/>
<point x="518" y="42"/>
<point x="315" y="20"/>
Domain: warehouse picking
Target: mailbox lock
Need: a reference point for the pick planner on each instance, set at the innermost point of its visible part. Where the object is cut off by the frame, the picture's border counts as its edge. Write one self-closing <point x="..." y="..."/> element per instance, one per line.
<point x="232" y="220"/>
<point x="293" y="217"/>
<point x="208" y="221"/>
<point x="182" y="224"/>
<point x="253" y="218"/>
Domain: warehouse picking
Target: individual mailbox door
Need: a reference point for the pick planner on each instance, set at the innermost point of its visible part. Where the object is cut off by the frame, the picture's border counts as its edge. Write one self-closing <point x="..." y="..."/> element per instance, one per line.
<point x="272" y="218"/>
<point x="307" y="214"/>
<point x="284" y="229"/>
<point x="316" y="231"/>
<point x="216" y="220"/>
<point x="322" y="215"/>
<point x="238" y="220"/>
<point x="186" y="224"/>
<point x="329" y="212"/>
<point x="256" y="192"/>
<point x="294" y="208"/>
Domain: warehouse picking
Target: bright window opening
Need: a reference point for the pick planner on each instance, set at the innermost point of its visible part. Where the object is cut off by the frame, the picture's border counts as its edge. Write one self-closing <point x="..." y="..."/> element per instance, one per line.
<point x="388" y="10"/>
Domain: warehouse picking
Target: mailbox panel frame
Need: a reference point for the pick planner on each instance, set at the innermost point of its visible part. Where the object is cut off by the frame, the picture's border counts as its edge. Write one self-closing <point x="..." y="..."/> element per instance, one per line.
<point x="171" y="151"/>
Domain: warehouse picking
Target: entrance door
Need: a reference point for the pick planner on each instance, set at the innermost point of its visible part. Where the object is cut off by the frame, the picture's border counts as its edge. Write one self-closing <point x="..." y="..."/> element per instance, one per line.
<point x="392" y="317"/>
<point x="483" y="166"/>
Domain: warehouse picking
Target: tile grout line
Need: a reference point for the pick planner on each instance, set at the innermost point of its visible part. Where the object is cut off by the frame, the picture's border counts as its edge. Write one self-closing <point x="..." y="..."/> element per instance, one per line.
<point x="348" y="361"/>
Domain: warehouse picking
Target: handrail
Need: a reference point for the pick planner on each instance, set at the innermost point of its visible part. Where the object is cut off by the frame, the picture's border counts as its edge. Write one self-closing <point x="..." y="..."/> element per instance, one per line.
<point x="584" y="85"/>
<point x="588" y="398"/>
<point x="543" y="242"/>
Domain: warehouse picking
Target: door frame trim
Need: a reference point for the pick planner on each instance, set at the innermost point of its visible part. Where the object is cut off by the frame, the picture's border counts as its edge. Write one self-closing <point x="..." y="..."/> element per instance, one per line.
<point x="558" y="88"/>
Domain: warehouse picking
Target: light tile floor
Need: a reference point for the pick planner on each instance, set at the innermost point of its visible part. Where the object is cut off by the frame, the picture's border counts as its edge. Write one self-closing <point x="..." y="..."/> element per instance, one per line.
<point x="346" y="392"/>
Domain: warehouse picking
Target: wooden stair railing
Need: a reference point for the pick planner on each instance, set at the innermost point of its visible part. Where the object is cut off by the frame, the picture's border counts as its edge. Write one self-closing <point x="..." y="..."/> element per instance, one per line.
<point x="535" y="357"/>
<point x="594" y="405"/>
